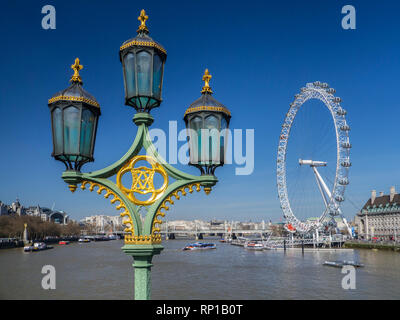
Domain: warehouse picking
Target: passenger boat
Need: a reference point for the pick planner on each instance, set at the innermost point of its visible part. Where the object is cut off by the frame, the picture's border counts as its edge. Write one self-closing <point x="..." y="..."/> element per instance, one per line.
<point x="239" y="241"/>
<point x="63" y="242"/>
<point x="37" y="246"/>
<point x="28" y="248"/>
<point x="200" y="246"/>
<point x="254" y="245"/>
<point x="340" y="264"/>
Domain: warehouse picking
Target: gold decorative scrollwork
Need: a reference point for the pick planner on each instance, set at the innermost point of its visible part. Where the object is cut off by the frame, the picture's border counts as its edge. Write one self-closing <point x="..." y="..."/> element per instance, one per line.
<point x="153" y="239"/>
<point x="142" y="180"/>
<point x="155" y="230"/>
<point x="125" y="214"/>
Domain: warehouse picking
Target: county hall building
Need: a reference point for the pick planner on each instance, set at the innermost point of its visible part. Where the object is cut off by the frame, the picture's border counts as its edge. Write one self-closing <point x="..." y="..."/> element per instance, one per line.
<point x="379" y="219"/>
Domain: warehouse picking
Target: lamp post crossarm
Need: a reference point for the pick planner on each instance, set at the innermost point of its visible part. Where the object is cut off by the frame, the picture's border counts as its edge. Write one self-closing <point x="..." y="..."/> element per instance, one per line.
<point x="172" y="171"/>
<point x="116" y="166"/>
<point x="130" y="215"/>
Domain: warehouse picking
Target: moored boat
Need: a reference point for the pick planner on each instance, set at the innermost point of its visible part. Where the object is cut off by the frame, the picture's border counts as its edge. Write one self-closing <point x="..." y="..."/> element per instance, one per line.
<point x="200" y="246"/>
<point x="340" y="264"/>
<point x="28" y="248"/>
<point x="254" y="245"/>
<point x="63" y="242"/>
<point x="40" y="246"/>
<point x="84" y="240"/>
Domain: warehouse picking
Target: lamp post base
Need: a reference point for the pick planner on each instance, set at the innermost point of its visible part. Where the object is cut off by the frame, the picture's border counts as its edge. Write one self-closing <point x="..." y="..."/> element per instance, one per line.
<point x="142" y="256"/>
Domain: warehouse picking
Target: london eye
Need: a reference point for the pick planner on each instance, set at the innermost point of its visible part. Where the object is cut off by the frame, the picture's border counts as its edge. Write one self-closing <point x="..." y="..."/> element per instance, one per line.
<point x="313" y="160"/>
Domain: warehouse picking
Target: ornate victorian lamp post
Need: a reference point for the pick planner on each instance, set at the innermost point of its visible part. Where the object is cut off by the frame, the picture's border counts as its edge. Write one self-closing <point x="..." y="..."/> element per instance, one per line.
<point x="74" y="115"/>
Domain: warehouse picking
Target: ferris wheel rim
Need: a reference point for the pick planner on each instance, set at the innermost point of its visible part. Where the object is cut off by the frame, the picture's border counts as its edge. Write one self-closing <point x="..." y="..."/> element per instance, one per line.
<point x="322" y="92"/>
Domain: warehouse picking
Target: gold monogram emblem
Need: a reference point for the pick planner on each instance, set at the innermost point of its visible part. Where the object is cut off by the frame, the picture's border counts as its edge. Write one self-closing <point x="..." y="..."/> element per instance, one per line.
<point x="142" y="180"/>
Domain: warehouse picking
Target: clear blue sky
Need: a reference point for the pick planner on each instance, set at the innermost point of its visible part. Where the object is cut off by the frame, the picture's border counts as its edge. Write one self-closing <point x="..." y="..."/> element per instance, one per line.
<point x="260" y="54"/>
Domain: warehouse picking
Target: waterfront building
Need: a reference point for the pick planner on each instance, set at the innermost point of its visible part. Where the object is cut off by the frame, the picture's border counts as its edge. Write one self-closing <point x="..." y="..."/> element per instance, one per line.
<point x="380" y="217"/>
<point x="182" y="225"/>
<point x="45" y="214"/>
<point x="213" y="225"/>
<point x="17" y="208"/>
<point x="104" y="223"/>
<point x="3" y="209"/>
<point x="36" y="211"/>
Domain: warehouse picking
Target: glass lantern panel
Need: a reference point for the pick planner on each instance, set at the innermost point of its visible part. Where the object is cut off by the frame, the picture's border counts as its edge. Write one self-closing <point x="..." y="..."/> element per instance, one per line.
<point x="144" y="101"/>
<point x="213" y="146"/>
<point x="57" y="131"/>
<point x="223" y="138"/>
<point x="88" y="122"/>
<point x="129" y="63"/>
<point x="143" y="72"/>
<point x="196" y="124"/>
<point x="71" y="130"/>
<point x="157" y="76"/>
<point x="224" y="124"/>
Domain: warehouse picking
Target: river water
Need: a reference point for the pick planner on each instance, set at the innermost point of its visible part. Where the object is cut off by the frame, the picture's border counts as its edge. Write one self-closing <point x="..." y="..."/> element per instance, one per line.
<point x="100" y="270"/>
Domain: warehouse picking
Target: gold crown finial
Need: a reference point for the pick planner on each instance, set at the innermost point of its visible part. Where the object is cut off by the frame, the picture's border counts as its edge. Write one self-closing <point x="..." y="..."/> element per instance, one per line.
<point x="143" y="18"/>
<point x="206" y="78"/>
<point x="76" y="67"/>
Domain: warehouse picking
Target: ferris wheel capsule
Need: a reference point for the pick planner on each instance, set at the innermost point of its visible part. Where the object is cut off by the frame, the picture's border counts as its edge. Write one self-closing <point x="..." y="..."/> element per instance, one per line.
<point x="345" y="128"/>
<point x="339" y="198"/>
<point x="331" y="90"/>
<point x="345" y="163"/>
<point x="337" y="100"/>
<point x="341" y="112"/>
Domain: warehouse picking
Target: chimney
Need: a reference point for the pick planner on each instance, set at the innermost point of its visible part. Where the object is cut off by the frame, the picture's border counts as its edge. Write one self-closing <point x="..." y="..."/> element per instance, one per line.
<point x="373" y="196"/>
<point x="381" y="194"/>
<point x="392" y="193"/>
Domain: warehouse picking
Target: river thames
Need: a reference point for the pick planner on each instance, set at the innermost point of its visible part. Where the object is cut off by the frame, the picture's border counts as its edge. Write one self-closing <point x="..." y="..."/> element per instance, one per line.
<point x="100" y="270"/>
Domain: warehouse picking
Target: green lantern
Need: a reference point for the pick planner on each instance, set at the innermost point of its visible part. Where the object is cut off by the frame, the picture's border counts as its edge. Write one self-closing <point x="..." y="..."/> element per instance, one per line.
<point x="143" y="62"/>
<point x="207" y="123"/>
<point x="74" y="118"/>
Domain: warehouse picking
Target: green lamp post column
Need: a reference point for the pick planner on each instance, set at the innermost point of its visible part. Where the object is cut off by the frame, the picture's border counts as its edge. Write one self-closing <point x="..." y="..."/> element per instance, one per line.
<point x="143" y="64"/>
